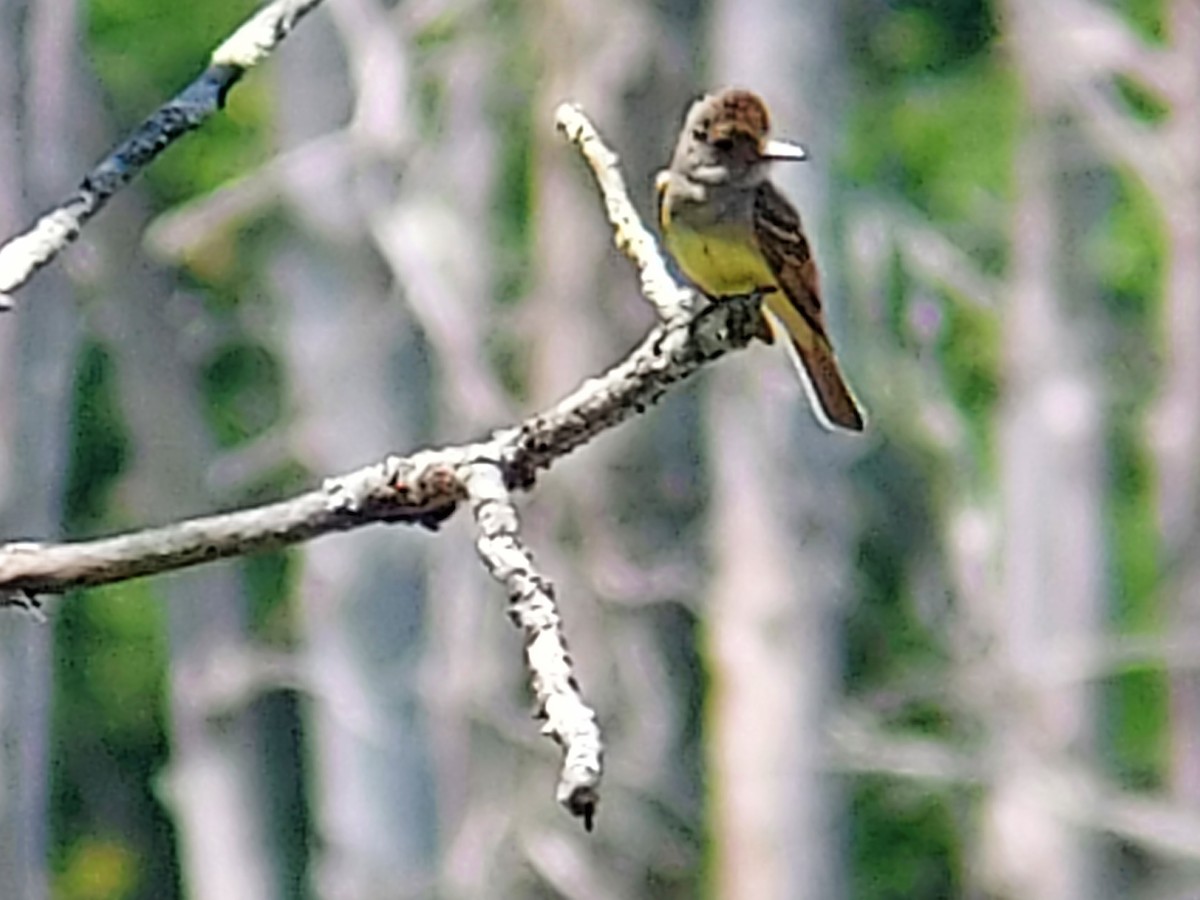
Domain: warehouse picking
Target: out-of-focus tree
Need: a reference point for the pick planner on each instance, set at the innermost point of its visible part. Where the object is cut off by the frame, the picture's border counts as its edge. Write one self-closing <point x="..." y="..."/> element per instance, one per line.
<point x="1056" y="418"/>
<point x="928" y="663"/>
<point x="780" y="520"/>
<point x="40" y="103"/>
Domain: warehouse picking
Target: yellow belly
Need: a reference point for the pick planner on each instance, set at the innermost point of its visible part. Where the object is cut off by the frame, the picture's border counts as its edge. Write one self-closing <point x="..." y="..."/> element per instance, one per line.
<point x="720" y="264"/>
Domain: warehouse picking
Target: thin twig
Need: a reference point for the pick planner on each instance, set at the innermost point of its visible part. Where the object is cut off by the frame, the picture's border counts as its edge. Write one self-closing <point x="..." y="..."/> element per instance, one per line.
<point x="629" y="234"/>
<point x="253" y="41"/>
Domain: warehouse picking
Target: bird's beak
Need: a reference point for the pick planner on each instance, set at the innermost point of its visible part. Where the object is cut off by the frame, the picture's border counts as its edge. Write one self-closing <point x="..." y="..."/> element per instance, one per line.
<point x="783" y="151"/>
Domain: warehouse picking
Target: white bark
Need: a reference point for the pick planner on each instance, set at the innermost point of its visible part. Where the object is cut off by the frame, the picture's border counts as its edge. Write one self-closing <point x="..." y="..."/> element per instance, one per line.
<point x="778" y="529"/>
<point x="1052" y="478"/>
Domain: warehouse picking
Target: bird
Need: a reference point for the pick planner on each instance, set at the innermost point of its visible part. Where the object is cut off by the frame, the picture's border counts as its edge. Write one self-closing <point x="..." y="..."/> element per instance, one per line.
<point x="733" y="233"/>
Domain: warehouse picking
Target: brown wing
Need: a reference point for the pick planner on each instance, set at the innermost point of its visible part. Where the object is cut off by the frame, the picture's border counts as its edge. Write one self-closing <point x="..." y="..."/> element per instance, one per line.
<point x="785" y="248"/>
<point x="782" y="243"/>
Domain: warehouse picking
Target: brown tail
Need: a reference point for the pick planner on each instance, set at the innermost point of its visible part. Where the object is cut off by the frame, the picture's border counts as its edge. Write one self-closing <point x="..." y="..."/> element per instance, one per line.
<point x="831" y="398"/>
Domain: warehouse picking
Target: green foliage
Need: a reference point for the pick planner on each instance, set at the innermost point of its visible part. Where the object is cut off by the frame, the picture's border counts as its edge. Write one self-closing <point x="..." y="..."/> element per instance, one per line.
<point x="242" y="384"/>
<point x="969" y="349"/>
<point x="270" y="579"/>
<point x="1141" y="100"/>
<point x="915" y="37"/>
<point x="145" y="49"/>
<point x="100" y="447"/>
<point x="1136" y="531"/>
<point x="227" y="147"/>
<point x="1137" y="702"/>
<point x="1149" y="17"/>
<point x="934" y="124"/>
<point x="1137" y="717"/>
<point x="511" y="105"/>
<point x="112" y="838"/>
<point x="1127" y="251"/>
<point x="97" y="869"/>
<point x="905" y="842"/>
<point x="883" y="636"/>
<point x="514" y="205"/>
<point x="945" y="145"/>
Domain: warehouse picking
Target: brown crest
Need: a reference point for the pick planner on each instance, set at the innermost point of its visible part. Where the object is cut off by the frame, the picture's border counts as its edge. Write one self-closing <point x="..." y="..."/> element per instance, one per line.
<point x="739" y="111"/>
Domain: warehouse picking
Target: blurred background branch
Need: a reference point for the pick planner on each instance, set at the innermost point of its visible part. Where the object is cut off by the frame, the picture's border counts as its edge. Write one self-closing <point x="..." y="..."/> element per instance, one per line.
<point x="22" y="256"/>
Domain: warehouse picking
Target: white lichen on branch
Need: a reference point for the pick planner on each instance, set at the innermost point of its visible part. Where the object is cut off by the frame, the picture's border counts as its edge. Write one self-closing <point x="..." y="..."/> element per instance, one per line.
<point x="261" y="33"/>
<point x="566" y="717"/>
<point x="672" y="301"/>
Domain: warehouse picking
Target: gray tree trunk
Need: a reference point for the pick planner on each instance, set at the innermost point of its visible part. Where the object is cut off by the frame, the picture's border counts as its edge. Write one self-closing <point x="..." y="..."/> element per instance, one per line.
<point x="1052" y="481"/>
<point x="39" y="104"/>
<point x="359" y="388"/>
<point x="779" y="528"/>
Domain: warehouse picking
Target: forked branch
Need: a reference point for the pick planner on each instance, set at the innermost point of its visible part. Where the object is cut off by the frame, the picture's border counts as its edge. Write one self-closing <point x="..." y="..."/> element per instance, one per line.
<point x="426" y="487"/>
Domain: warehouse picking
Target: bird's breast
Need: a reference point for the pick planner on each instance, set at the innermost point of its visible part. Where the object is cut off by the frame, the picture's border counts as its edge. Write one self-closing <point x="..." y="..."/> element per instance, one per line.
<point x="721" y="261"/>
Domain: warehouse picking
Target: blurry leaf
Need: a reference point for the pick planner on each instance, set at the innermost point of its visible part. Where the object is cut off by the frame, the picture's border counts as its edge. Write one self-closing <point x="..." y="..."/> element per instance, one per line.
<point x="946" y="145"/>
<point x="514" y="205"/>
<point x="1148" y="17"/>
<point x="1138" y="711"/>
<point x="440" y="30"/>
<point x="119" y="677"/>
<point x="904" y="842"/>
<point x="900" y="37"/>
<point x="99" y="445"/>
<point x="243" y="387"/>
<point x="1138" y="573"/>
<point x="970" y="353"/>
<point x="1138" y="719"/>
<point x="109" y="706"/>
<point x="1144" y="103"/>
<point x="1128" y="251"/>
<point x="906" y="40"/>
<point x="97" y="869"/>
<point x="270" y="579"/>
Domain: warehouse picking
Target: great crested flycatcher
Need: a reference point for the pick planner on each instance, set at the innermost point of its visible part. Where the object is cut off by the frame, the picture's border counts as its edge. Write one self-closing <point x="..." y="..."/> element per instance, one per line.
<point x="732" y="233"/>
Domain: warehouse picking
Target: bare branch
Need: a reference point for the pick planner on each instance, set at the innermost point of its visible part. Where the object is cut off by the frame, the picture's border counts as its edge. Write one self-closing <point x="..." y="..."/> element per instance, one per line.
<point x="23" y="255"/>
<point x="418" y="489"/>
<point x="1096" y="44"/>
<point x="568" y="719"/>
<point x="629" y="234"/>
<point x="857" y="743"/>
<point x="930" y="253"/>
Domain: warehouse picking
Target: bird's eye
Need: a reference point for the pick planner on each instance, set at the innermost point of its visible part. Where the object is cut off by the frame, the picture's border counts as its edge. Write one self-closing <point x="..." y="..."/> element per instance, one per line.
<point x="699" y="134"/>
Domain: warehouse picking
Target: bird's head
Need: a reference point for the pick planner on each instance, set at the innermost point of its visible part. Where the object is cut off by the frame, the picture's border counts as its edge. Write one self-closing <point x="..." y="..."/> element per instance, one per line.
<point x="725" y="140"/>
